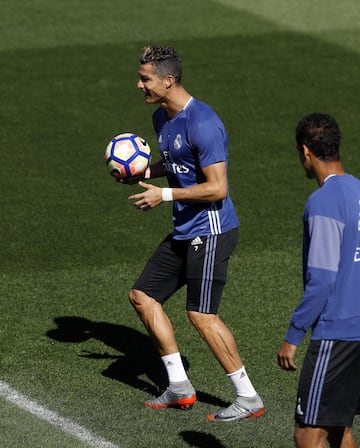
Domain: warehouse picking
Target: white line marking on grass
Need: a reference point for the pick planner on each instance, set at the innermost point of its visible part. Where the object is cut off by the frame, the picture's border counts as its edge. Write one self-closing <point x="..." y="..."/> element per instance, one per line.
<point x="52" y="417"/>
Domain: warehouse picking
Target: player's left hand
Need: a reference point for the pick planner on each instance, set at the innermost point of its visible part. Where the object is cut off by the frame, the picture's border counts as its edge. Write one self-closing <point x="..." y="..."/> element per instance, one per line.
<point x="132" y="179"/>
<point x="148" y="199"/>
<point x="286" y="355"/>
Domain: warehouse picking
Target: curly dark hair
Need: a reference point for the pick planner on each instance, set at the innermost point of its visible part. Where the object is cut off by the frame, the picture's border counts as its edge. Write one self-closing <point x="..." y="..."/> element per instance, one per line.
<point x="321" y="134"/>
<point x="165" y="61"/>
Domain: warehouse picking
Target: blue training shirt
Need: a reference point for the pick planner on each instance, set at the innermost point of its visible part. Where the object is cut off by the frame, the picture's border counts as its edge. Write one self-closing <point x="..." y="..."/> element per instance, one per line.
<point x="194" y="139"/>
<point x="331" y="264"/>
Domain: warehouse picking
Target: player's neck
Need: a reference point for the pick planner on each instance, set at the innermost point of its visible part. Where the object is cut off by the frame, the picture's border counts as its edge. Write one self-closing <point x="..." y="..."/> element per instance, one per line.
<point x="175" y="101"/>
<point x="328" y="169"/>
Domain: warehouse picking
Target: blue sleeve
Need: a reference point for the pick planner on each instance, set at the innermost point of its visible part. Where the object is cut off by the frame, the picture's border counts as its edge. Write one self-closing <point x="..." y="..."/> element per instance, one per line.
<point x="319" y="284"/>
<point x="210" y="139"/>
<point x="322" y="243"/>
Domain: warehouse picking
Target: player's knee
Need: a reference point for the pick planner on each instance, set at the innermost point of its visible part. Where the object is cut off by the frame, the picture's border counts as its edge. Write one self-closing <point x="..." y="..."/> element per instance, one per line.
<point x="299" y="437"/>
<point x="306" y="437"/>
<point x="194" y="318"/>
<point x="139" y="300"/>
<point x="135" y="298"/>
<point x="202" y="322"/>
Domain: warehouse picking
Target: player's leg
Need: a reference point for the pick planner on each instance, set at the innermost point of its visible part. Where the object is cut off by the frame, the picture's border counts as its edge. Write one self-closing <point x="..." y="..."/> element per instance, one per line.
<point x="309" y="437"/>
<point x="155" y="320"/>
<point x="348" y="440"/>
<point x="219" y="339"/>
<point x="328" y="394"/>
<point x="161" y="277"/>
<point x="317" y="437"/>
<point x="222" y="343"/>
<point x="340" y="437"/>
<point x="180" y="392"/>
<point x="207" y="269"/>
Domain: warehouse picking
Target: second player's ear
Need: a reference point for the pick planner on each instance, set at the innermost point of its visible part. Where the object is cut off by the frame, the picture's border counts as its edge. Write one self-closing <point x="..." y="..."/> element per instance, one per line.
<point x="307" y="151"/>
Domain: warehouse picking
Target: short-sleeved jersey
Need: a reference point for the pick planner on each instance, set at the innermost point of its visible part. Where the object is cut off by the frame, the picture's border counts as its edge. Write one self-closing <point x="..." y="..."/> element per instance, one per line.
<point x="330" y="305"/>
<point x="192" y="140"/>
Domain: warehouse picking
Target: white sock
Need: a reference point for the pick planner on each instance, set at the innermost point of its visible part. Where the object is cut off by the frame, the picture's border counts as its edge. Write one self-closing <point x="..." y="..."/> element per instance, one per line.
<point x="242" y="383"/>
<point x="174" y="367"/>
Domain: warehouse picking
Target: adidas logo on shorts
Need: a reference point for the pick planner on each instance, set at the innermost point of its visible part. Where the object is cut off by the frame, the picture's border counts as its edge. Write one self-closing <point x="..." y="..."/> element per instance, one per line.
<point x="196" y="242"/>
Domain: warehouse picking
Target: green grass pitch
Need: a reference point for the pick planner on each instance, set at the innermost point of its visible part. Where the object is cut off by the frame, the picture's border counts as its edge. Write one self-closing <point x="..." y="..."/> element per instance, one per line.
<point x="71" y="244"/>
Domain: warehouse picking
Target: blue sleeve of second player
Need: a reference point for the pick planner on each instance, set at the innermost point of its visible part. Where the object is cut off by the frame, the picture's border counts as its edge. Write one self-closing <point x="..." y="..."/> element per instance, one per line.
<point x="323" y="255"/>
<point x="319" y="285"/>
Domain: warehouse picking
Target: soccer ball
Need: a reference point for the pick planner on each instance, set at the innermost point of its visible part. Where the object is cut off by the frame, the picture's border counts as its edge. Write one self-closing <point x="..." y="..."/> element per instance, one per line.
<point x="128" y="155"/>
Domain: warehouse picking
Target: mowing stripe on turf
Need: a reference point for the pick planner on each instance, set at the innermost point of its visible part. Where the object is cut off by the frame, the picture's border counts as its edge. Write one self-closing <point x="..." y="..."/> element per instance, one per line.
<point x="54" y="418"/>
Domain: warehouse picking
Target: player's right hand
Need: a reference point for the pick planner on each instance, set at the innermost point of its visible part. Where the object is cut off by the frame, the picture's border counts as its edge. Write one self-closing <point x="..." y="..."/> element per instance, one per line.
<point x="286" y="355"/>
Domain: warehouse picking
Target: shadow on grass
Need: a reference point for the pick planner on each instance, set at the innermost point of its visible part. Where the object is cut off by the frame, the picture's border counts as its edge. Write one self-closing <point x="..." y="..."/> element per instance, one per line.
<point x="201" y="439"/>
<point x="138" y="357"/>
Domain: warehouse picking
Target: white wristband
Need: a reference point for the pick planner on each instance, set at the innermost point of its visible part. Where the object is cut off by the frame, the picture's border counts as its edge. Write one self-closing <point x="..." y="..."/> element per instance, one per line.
<point x="167" y="194"/>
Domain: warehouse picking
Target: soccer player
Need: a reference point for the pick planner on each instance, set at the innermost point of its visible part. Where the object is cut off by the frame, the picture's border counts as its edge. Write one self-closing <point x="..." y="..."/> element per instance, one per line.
<point x="194" y="155"/>
<point x="328" y="395"/>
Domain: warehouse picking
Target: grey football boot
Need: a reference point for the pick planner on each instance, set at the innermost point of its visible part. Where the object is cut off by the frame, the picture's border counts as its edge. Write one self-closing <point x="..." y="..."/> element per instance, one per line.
<point x="243" y="407"/>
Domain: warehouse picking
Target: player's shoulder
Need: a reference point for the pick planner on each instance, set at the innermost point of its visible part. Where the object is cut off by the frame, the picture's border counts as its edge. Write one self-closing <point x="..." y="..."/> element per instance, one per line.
<point x="333" y="194"/>
<point x="200" y="108"/>
<point x="201" y="116"/>
<point x="338" y="186"/>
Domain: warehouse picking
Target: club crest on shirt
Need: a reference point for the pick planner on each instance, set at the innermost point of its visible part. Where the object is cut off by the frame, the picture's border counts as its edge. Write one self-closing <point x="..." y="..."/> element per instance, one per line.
<point x="178" y="142"/>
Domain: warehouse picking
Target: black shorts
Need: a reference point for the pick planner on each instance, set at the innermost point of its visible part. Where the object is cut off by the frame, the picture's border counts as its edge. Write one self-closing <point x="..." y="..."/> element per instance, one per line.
<point x="200" y="263"/>
<point x="329" y="386"/>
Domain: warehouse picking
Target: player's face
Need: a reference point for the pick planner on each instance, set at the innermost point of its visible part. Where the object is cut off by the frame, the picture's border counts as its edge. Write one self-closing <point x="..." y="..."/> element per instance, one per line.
<point x="152" y="86"/>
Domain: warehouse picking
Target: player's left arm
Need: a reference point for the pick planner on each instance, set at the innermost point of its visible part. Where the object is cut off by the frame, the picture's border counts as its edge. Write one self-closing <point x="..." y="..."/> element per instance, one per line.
<point x="215" y="188"/>
<point x="151" y="172"/>
<point x="321" y="273"/>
